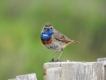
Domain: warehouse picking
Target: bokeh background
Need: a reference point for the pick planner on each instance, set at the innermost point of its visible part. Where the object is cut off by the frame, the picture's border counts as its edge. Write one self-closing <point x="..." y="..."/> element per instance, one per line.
<point x="21" y="21"/>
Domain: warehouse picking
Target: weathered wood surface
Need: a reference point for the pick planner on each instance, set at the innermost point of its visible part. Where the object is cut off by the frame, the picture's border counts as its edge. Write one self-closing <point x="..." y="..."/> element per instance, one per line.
<point x="71" y="71"/>
<point x="103" y="60"/>
<point x="54" y="73"/>
<point x="12" y="79"/>
<point x="25" y="77"/>
<point x="74" y="71"/>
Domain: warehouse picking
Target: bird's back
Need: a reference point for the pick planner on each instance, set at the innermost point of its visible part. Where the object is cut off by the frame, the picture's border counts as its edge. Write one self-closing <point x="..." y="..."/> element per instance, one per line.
<point x="61" y="37"/>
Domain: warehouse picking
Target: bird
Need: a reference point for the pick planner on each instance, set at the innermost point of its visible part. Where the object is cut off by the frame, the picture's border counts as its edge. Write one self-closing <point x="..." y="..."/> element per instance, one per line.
<point x="52" y="39"/>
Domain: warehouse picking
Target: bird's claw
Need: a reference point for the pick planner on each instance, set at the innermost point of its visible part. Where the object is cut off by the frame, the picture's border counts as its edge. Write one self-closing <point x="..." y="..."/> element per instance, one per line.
<point x="52" y="60"/>
<point x="55" y="60"/>
<point x="58" y="60"/>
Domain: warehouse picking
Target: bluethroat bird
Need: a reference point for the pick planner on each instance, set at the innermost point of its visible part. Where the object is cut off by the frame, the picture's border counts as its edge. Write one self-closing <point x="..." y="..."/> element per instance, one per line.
<point x="54" y="40"/>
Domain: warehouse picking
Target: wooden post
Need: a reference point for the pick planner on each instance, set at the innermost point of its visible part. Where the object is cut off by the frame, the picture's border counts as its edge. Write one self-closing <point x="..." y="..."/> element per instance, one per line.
<point x="49" y="65"/>
<point x="54" y="73"/>
<point x="12" y="79"/>
<point x="103" y="60"/>
<point x="25" y="77"/>
<point x="74" y="71"/>
<point x="71" y="71"/>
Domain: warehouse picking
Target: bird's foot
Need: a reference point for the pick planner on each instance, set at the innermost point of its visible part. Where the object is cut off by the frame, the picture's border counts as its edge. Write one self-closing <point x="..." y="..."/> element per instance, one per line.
<point x="52" y="60"/>
<point x="55" y="60"/>
<point x="58" y="60"/>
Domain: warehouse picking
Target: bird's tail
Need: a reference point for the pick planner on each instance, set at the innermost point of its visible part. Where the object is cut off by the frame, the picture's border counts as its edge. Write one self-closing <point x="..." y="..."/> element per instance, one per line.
<point x="73" y="41"/>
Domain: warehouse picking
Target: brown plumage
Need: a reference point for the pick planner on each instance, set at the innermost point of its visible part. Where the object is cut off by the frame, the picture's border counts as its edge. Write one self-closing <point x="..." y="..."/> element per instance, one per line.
<point x="58" y="41"/>
<point x="46" y="42"/>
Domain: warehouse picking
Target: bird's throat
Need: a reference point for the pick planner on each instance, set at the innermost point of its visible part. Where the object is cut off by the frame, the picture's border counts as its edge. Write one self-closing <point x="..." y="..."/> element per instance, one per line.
<point x="45" y="37"/>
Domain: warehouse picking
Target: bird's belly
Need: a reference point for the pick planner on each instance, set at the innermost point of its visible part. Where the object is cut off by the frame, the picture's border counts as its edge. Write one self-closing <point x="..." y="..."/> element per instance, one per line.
<point x="55" y="45"/>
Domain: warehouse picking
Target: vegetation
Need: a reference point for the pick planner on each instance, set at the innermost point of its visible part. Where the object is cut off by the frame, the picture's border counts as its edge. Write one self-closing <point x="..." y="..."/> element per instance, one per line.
<point x="21" y="22"/>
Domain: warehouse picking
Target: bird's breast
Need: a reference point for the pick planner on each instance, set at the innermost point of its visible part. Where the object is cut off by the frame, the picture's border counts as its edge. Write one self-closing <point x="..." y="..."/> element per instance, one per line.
<point x="46" y="42"/>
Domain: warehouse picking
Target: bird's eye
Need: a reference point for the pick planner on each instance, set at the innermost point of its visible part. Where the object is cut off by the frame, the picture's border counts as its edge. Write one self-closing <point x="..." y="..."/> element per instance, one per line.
<point x="44" y="28"/>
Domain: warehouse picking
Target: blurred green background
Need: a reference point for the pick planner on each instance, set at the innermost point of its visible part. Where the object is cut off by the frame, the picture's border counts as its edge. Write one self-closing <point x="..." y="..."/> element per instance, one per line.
<point x="21" y="21"/>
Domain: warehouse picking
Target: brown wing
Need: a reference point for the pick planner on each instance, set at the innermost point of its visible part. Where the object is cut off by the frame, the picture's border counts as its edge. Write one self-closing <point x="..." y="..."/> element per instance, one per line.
<point x="61" y="37"/>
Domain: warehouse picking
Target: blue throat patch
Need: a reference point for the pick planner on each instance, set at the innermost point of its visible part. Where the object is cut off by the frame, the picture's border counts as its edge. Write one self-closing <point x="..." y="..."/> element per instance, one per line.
<point x="46" y="35"/>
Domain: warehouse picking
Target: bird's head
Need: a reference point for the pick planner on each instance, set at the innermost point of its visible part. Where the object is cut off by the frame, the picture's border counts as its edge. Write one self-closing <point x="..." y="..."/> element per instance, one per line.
<point x="48" y="27"/>
<point x="47" y="32"/>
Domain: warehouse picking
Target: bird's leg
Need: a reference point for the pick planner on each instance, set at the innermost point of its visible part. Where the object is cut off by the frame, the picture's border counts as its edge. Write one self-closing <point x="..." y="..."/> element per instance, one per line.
<point x="53" y="57"/>
<point x="59" y="55"/>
